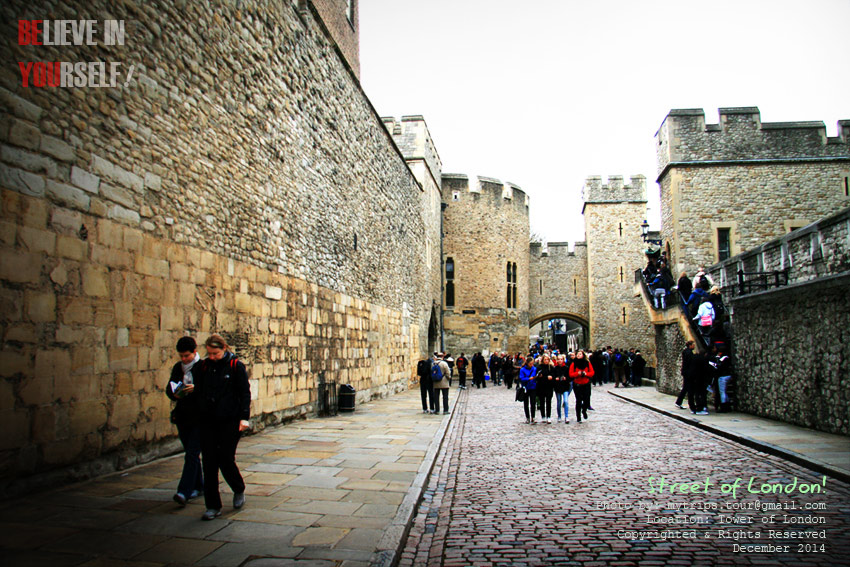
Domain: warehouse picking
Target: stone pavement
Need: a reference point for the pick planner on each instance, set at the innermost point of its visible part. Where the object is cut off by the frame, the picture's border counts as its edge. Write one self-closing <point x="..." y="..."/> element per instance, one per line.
<point x="506" y="493"/>
<point x="322" y="492"/>
<point x="822" y="452"/>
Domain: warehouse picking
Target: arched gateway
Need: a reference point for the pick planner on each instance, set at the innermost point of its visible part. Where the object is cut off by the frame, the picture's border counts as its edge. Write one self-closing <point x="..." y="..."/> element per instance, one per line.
<point x="575" y="334"/>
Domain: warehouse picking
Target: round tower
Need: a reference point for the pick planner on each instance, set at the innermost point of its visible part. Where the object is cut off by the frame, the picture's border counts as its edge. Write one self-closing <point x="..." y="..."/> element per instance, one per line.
<point x="485" y="265"/>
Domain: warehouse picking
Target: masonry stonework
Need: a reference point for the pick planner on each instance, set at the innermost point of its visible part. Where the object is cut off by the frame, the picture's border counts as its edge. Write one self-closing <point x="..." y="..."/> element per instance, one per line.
<point x="759" y="180"/>
<point x="558" y="282"/>
<point x="242" y="184"/>
<point x="613" y="214"/>
<point x="485" y="229"/>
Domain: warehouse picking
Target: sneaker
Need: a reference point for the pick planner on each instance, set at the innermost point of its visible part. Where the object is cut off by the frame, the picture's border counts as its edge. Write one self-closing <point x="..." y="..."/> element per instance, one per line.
<point x="591" y="409"/>
<point x="566" y="421"/>
<point x="560" y="420"/>
<point x="196" y="494"/>
<point x="533" y="421"/>
<point x="180" y="499"/>
<point x="211" y="514"/>
<point x="578" y="420"/>
<point x="446" y="412"/>
<point x="527" y="421"/>
<point x="238" y="500"/>
<point x="680" y="406"/>
<point x="425" y="411"/>
<point x="703" y="412"/>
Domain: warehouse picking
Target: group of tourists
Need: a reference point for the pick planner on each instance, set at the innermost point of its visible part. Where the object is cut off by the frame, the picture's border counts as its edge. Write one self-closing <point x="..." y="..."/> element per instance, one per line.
<point x="541" y="375"/>
<point x="213" y="398"/>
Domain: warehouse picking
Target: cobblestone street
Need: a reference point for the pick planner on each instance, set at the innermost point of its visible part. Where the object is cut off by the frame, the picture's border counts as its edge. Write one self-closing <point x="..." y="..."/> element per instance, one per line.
<point x="506" y="493"/>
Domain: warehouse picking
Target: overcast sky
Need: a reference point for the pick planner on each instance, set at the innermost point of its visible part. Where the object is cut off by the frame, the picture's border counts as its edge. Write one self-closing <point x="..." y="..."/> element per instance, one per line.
<point x="544" y="93"/>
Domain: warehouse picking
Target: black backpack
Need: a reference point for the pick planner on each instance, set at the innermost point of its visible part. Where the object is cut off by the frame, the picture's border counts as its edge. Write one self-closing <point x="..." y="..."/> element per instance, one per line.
<point x="423" y="368"/>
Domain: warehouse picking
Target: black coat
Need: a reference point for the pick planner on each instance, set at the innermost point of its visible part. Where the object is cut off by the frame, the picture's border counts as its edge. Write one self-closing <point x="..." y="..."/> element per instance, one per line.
<point x="187" y="410"/>
<point x="222" y="388"/>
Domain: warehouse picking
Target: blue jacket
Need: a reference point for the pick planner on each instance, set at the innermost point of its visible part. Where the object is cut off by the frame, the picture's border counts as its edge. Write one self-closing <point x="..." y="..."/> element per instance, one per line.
<point x="526" y="377"/>
<point x="696" y="296"/>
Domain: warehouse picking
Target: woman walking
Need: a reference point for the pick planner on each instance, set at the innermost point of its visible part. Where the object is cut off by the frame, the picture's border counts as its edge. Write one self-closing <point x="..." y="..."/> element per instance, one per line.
<point x="527" y="381"/>
<point x="224" y="395"/>
<point x="563" y="387"/>
<point x="581" y="372"/>
<point x="545" y="387"/>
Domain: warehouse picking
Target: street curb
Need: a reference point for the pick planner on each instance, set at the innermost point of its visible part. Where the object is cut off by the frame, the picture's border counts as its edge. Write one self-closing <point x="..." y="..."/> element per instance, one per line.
<point x="768" y="448"/>
<point x="392" y="541"/>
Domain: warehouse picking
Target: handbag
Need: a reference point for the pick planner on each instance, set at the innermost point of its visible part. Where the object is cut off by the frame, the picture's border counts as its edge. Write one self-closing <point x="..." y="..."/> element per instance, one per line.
<point x="521" y="394"/>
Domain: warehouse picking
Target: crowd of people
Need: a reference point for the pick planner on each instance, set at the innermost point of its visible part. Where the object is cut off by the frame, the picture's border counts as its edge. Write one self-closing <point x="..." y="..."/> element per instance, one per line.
<point x="703" y="373"/>
<point x="700" y="298"/>
<point x="539" y="376"/>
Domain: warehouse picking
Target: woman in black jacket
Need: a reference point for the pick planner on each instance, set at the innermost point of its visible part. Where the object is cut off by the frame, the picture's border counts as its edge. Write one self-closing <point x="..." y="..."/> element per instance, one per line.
<point x="185" y="416"/>
<point x="545" y="387"/>
<point x="224" y="396"/>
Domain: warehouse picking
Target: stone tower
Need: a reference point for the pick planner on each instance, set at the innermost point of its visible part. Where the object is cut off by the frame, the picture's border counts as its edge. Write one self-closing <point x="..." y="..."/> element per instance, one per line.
<point x="486" y="265"/>
<point x="414" y="141"/>
<point x="613" y="214"/>
<point x="730" y="186"/>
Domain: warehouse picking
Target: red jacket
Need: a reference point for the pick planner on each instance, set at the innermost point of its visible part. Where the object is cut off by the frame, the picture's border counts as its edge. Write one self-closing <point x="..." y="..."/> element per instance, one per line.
<point x="575" y="374"/>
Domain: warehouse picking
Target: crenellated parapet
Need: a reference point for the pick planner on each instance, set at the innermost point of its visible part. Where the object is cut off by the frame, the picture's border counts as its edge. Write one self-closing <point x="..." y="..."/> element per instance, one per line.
<point x="413" y="139"/>
<point x="684" y="138"/>
<point x="458" y="187"/>
<point x="615" y="191"/>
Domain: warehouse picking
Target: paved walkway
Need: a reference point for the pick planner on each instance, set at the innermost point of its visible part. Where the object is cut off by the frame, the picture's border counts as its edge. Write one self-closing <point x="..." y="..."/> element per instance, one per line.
<point x="506" y="493"/>
<point x="822" y="452"/>
<point x="321" y="493"/>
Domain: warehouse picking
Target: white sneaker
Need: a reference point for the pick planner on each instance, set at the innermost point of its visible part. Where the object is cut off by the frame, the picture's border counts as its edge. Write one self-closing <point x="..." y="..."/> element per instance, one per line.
<point x="559" y="420"/>
<point x="566" y="421"/>
<point x="703" y="412"/>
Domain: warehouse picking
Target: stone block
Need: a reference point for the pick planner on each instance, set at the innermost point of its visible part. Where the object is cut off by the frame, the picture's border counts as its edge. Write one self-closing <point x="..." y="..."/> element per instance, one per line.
<point x="57" y="148"/>
<point x="67" y="195"/>
<point x="122" y="359"/>
<point x="153" y="181"/>
<point x="19" y="107"/>
<point x="65" y="451"/>
<point x="77" y="311"/>
<point x="15" y="425"/>
<point x="123" y="313"/>
<point x="24" y="134"/>
<point x="41" y="307"/>
<point x="171" y="318"/>
<point x="85" y="180"/>
<point x="117" y="212"/>
<point x="118" y="195"/>
<point x="71" y="247"/>
<point x="152" y="267"/>
<point x="124" y="411"/>
<point x="95" y="280"/>
<point x="43" y="424"/>
<point x="23" y="333"/>
<point x="20" y="267"/>
<point x="37" y="240"/>
<point x="87" y="416"/>
<point x="133" y="239"/>
<point x="29" y="161"/>
<point x="21" y="181"/>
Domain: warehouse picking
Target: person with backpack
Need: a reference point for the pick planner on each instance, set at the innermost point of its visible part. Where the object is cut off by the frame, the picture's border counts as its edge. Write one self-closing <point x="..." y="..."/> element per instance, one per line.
<point x="528" y="385"/>
<point x="705" y="320"/>
<point x="426" y="386"/>
<point x="440" y="378"/>
<point x="462" y="365"/>
<point x="224" y="397"/>
<point x="619" y="363"/>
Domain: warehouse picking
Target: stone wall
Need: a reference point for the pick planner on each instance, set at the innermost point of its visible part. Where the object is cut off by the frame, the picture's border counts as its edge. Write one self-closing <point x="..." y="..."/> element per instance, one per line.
<point x="240" y="183"/>
<point x="757" y="179"/>
<point x="669" y="344"/>
<point x="343" y="31"/>
<point x="558" y="281"/>
<point x="614" y="251"/>
<point x="791" y="344"/>
<point x="485" y="227"/>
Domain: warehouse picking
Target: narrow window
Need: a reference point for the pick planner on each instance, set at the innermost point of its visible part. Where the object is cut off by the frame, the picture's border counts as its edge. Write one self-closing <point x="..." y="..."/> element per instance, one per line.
<point x="514" y="295"/>
<point x="723" y="244"/>
<point x="349" y="12"/>
<point x="541" y="287"/>
<point x="625" y="319"/>
<point x="455" y="195"/>
<point x="622" y="275"/>
<point x="450" y="284"/>
<point x="621" y="230"/>
<point x="575" y="286"/>
<point x="510" y="277"/>
<point x="847" y="185"/>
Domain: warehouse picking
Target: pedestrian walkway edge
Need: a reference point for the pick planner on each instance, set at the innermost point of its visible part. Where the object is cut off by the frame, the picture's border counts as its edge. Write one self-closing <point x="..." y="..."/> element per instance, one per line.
<point x="762" y="446"/>
<point x="391" y="544"/>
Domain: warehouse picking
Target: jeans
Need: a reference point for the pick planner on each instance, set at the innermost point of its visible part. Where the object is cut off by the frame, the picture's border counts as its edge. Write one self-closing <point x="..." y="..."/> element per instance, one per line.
<point x="530" y="401"/>
<point x="545" y="396"/>
<point x="660" y="298"/>
<point x="192" y="478"/>
<point x="721" y="385"/>
<point x="426" y="390"/>
<point x="562" y="400"/>
<point x="218" y="446"/>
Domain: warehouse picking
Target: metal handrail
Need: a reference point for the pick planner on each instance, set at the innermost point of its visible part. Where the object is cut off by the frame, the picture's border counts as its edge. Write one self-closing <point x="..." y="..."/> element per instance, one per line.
<point x="749" y="282"/>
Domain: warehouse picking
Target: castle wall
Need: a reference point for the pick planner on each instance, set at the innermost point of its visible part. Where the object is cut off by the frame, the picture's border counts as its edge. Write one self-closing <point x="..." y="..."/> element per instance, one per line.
<point x="240" y="184"/>
<point x="343" y="31"/>
<point x="613" y="214"/>
<point x="485" y="226"/>
<point x="759" y="180"/>
<point x="558" y="280"/>
<point x="792" y="350"/>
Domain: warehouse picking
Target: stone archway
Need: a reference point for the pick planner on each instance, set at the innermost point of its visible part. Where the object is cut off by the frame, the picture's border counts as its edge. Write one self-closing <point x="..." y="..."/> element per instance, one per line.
<point x="580" y="321"/>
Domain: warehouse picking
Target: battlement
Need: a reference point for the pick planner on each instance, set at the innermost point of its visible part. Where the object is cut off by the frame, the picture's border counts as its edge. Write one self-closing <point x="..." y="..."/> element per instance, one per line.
<point x="615" y="191"/>
<point x="457" y="187"/>
<point x="413" y="139"/>
<point x="558" y="249"/>
<point x="740" y="135"/>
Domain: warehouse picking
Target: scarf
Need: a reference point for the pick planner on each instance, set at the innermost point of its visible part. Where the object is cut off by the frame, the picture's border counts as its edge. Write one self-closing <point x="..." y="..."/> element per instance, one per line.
<point x="187" y="369"/>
